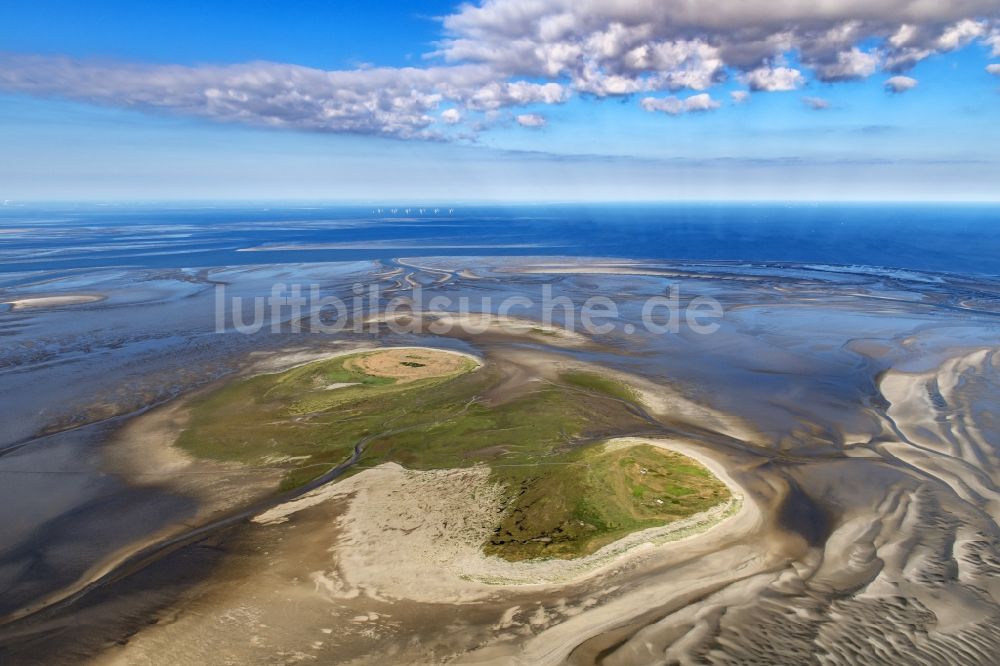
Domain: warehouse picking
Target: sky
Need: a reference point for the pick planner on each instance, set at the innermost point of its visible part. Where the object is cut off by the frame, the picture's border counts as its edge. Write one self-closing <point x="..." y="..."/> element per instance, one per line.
<point x="500" y="100"/>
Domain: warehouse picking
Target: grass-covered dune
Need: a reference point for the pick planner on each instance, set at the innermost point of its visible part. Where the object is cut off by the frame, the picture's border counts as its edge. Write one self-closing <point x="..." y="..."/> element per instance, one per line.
<point x="600" y="495"/>
<point x="567" y="494"/>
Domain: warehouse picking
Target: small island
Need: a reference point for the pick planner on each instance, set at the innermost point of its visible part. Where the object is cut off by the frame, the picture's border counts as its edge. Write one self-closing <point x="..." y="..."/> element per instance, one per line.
<point x="563" y="491"/>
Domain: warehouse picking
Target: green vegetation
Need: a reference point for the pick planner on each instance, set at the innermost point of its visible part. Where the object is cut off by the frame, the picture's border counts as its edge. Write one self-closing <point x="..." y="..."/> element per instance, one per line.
<point x="598" y="495"/>
<point x="568" y="494"/>
<point x="307" y="419"/>
<point x="593" y="382"/>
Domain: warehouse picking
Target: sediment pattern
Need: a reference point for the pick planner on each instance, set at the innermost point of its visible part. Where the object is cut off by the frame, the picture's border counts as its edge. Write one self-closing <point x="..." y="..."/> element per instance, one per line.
<point x="857" y="412"/>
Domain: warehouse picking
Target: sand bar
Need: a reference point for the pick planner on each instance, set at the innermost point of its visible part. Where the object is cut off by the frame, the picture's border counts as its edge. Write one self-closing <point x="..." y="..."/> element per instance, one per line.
<point x="40" y="302"/>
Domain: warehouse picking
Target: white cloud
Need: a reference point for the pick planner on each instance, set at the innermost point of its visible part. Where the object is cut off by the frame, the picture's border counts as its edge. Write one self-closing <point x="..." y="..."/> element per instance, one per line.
<point x="680" y="42"/>
<point x="774" y="79"/>
<point x="388" y="101"/>
<point x="849" y="65"/>
<point x="496" y="95"/>
<point x="675" y="106"/>
<point x="530" y="120"/>
<point x="900" y="84"/>
<point x="994" y="41"/>
<point x="702" y="102"/>
<point x="904" y="35"/>
<point x="671" y="105"/>
<point x="816" y="103"/>
<point x="739" y="96"/>
<point x="503" y="54"/>
<point x="913" y="43"/>
<point x="960" y="34"/>
<point x="993" y="69"/>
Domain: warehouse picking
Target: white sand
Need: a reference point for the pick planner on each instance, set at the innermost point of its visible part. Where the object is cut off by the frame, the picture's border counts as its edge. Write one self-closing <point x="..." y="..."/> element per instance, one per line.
<point x="442" y="323"/>
<point x="39" y="302"/>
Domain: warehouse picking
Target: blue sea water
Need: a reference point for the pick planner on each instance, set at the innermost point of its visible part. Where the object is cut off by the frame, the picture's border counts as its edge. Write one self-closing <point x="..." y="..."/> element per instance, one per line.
<point x="963" y="239"/>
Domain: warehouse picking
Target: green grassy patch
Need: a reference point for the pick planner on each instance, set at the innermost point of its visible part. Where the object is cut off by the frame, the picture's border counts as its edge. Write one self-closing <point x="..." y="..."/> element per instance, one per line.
<point x="567" y="494"/>
<point x="307" y="419"/>
<point x="592" y="497"/>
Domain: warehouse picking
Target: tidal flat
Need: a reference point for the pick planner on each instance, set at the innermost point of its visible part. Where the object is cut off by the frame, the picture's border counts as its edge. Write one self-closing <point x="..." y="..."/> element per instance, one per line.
<point x="848" y="416"/>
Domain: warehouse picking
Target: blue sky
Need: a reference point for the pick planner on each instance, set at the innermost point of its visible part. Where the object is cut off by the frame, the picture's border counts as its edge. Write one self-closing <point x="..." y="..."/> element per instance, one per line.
<point x="390" y="101"/>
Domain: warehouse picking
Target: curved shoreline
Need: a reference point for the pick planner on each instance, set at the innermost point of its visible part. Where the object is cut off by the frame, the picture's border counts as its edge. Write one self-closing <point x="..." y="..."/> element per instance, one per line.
<point x="637" y="544"/>
<point x="423" y="563"/>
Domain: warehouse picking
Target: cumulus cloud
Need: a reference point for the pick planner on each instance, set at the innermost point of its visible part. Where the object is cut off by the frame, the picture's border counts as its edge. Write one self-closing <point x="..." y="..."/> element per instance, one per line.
<point x="900" y="84"/>
<point x="668" y="44"/>
<point x="847" y="66"/>
<point x="530" y="120"/>
<point x="816" y="103"/>
<point x="503" y="54"/>
<point x="675" y="106"/>
<point x="774" y="79"/>
<point x="913" y="42"/>
<point x="496" y="95"/>
<point x="451" y="116"/>
<point x="993" y="69"/>
<point x="739" y="96"/>
<point x="960" y="34"/>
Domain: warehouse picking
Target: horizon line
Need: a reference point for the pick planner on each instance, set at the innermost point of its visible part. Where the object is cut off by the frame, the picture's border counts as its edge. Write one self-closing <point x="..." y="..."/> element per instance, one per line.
<point x="14" y="204"/>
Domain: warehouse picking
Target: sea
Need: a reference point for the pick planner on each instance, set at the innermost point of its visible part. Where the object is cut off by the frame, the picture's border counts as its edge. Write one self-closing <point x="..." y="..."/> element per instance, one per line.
<point x="945" y="238"/>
